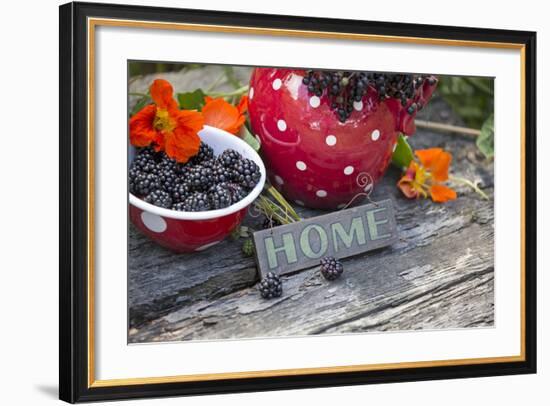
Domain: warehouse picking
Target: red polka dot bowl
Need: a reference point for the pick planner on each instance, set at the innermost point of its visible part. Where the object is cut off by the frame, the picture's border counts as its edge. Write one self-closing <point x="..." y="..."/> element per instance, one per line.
<point x="197" y="231"/>
<point x="312" y="158"/>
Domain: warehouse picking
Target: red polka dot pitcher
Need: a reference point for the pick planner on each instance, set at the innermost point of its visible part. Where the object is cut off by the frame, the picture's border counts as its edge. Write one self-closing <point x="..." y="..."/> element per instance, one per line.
<point x="314" y="158"/>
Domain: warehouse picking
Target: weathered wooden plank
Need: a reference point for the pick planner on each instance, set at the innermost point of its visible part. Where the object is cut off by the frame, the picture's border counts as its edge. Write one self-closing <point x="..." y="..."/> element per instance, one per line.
<point x="376" y="292"/>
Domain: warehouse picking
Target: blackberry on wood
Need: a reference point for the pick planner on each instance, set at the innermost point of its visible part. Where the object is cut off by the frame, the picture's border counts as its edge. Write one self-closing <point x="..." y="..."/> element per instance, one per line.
<point x="271" y="286"/>
<point x="331" y="268"/>
<point x="159" y="198"/>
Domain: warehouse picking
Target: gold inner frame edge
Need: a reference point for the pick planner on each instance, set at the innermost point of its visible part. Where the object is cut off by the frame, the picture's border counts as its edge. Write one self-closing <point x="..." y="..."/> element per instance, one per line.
<point x="93" y="22"/>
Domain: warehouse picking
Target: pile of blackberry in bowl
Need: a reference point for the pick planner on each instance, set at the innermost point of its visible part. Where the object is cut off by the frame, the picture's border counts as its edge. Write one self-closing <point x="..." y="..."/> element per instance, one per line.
<point x="206" y="182"/>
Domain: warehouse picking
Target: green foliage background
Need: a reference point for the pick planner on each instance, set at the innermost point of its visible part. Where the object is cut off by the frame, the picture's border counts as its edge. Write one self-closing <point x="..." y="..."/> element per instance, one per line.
<point x="472" y="98"/>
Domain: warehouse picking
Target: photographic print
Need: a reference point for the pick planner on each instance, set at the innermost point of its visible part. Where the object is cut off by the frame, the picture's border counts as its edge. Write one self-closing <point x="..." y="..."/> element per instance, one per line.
<point x="349" y="193"/>
<point x="279" y="202"/>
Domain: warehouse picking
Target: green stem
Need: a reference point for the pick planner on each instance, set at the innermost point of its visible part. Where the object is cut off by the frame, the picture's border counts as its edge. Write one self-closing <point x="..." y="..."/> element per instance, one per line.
<point x="469" y="183"/>
<point x="237" y="92"/>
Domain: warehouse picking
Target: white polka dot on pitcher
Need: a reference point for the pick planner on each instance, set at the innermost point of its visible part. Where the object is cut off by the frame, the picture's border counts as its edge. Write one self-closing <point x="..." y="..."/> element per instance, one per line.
<point x="279" y="180"/>
<point x="281" y="125"/>
<point x="277" y="83"/>
<point x="251" y="93"/>
<point x="375" y="135"/>
<point x="348" y="170"/>
<point x="321" y="193"/>
<point x="358" y="105"/>
<point x="301" y="165"/>
<point x="331" y="140"/>
<point x="314" y="102"/>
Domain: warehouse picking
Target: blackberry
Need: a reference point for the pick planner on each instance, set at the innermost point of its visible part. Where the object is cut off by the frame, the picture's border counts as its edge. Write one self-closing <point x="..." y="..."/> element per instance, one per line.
<point x="205" y="153"/>
<point x="144" y="183"/>
<point x="219" y="196"/>
<point x="197" y="201"/>
<point x="180" y="206"/>
<point x="159" y="198"/>
<point x="200" y="177"/>
<point x="238" y="193"/>
<point x="271" y="286"/>
<point x="166" y="171"/>
<point x="229" y="158"/>
<point x="220" y="173"/>
<point x="181" y="191"/>
<point x="246" y="173"/>
<point x="145" y="160"/>
<point x="331" y="268"/>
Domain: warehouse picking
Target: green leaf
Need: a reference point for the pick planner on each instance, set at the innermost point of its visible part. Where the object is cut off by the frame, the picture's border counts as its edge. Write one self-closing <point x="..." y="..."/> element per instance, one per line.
<point x="191" y="100"/>
<point x="403" y="154"/>
<point x="247" y="137"/>
<point x="144" y="101"/>
<point x="485" y="141"/>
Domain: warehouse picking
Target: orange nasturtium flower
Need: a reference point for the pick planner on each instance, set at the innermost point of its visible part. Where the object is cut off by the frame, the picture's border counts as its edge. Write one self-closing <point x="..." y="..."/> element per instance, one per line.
<point x="223" y="115"/>
<point x="164" y="126"/>
<point x="426" y="177"/>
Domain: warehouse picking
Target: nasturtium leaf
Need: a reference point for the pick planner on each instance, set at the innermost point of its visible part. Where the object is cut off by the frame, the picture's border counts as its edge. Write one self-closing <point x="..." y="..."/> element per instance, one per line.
<point x="403" y="154"/>
<point x="485" y="141"/>
<point x="247" y="137"/>
<point x="191" y="100"/>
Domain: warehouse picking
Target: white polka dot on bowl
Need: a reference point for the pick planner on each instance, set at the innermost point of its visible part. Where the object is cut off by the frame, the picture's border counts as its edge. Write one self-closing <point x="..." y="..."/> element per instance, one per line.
<point x="153" y="222"/>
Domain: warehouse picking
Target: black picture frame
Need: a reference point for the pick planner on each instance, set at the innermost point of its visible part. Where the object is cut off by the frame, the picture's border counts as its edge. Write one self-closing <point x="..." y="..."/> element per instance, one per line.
<point x="74" y="385"/>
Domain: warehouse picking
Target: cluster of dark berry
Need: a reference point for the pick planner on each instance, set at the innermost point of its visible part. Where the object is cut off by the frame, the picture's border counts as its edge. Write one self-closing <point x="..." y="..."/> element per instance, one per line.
<point x="345" y="88"/>
<point x="331" y="268"/>
<point x="204" y="183"/>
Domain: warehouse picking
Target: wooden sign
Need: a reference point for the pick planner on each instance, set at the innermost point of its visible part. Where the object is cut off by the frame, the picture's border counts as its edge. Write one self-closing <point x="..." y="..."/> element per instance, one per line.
<point x="341" y="234"/>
